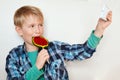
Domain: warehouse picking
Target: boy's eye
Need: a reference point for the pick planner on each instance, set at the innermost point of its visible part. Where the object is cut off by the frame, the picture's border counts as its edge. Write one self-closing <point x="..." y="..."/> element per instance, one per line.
<point x="41" y="25"/>
<point x="32" y="26"/>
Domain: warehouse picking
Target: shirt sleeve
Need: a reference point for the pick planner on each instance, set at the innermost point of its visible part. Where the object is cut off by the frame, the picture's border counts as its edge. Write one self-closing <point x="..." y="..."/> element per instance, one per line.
<point x="33" y="73"/>
<point x="75" y="51"/>
<point x="93" y="40"/>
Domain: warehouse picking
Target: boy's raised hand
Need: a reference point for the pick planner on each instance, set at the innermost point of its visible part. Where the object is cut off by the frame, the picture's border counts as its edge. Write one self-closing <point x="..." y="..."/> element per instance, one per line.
<point x="43" y="56"/>
<point x="103" y="24"/>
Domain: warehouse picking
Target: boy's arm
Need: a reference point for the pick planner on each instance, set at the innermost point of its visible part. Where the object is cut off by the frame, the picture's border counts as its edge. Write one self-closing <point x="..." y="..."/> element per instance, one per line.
<point x="78" y="51"/>
<point x="84" y="51"/>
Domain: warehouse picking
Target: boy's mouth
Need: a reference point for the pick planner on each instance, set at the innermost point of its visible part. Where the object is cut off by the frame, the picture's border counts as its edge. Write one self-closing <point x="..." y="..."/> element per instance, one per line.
<point x="36" y="35"/>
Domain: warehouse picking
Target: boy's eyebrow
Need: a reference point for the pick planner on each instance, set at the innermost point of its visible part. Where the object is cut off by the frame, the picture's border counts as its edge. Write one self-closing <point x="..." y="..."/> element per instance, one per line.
<point x="34" y="23"/>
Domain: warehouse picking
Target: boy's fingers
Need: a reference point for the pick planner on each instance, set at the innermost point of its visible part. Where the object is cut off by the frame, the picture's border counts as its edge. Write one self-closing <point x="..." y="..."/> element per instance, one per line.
<point x="43" y="51"/>
<point x="109" y="16"/>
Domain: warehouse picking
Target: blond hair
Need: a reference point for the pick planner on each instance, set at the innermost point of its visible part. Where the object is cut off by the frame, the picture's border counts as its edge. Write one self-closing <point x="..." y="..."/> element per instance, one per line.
<point x="22" y="13"/>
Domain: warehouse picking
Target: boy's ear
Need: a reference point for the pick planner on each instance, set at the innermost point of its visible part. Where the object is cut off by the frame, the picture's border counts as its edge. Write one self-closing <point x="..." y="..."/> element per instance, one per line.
<point x="19" y="30"/>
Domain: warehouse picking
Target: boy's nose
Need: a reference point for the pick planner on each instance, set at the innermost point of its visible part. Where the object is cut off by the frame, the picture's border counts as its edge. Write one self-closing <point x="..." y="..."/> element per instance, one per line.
<point x="37" y="30"/>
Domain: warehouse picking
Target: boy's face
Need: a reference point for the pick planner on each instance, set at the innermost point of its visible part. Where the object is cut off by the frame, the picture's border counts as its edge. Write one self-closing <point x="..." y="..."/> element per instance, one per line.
<point x="32" y="26"/>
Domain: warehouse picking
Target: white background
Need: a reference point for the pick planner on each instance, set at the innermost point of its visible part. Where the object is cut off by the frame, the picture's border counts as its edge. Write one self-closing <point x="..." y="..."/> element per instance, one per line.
<point x="70" y="21"/>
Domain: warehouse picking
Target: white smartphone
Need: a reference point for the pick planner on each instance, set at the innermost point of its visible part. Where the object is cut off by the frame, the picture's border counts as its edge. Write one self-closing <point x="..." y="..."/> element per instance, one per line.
<point x="104" y="12"/>
<point x="105" y="9"/>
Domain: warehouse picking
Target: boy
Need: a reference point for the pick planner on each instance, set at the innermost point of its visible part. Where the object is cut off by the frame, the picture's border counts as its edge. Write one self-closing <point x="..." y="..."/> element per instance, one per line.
<point x="26" y="62"/>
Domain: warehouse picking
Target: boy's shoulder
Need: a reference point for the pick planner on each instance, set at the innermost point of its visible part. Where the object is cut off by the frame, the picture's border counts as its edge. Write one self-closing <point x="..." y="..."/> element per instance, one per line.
<point x="17" y="50"/>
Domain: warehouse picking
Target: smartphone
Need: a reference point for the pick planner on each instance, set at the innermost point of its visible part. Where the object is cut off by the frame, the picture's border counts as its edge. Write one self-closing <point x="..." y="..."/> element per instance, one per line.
<point x="105" y="9"/>
<point x="104" y="12"/>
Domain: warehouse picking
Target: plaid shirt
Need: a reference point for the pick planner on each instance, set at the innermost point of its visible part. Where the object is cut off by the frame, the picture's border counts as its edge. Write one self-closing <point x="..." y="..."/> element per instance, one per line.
<point x="18" y="63"/>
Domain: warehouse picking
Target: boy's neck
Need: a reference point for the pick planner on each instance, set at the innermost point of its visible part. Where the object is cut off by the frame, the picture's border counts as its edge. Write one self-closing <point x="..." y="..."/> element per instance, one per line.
<point x="30" y="48"/>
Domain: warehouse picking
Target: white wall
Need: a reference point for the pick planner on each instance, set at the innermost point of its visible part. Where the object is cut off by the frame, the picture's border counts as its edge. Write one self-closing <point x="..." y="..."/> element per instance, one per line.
<point x="69" y="21"/>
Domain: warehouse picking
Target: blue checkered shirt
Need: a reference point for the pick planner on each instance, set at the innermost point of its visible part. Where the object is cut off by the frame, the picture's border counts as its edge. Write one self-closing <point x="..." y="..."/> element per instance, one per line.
<point x="18" y="63"/>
